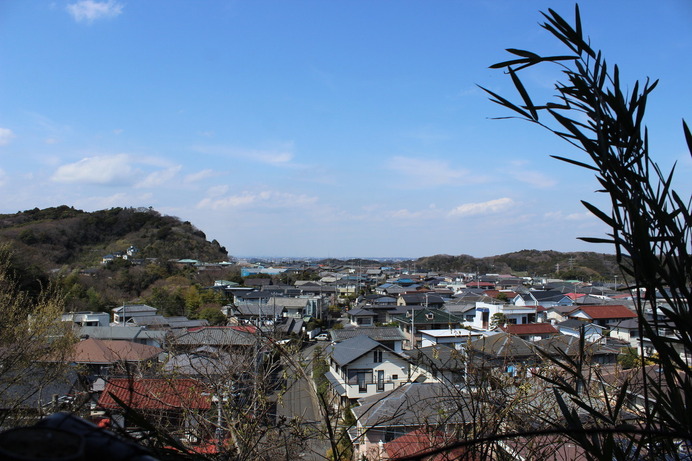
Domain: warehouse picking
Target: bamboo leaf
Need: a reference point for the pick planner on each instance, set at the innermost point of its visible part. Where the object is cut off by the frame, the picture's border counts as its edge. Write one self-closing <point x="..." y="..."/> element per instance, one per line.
<point x="575" y="162"/>
<point x="599" y="214"/>
<point x="524" y="94"/>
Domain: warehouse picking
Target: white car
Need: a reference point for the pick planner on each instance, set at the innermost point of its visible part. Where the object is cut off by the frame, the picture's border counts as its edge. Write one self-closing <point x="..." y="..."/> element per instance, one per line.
<point x="322" y="337"/>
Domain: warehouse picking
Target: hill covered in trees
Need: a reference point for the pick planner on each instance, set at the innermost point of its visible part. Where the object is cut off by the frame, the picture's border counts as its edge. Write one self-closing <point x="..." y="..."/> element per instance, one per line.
<point x="570" y="265"/>
<point x="64" y="236"/>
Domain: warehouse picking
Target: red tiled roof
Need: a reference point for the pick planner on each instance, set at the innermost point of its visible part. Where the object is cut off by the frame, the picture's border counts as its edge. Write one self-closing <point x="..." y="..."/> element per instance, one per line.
<point x="530" y="329"/>
<point x="102" y="351"/>
<point x="575" y="295"/>
<point x="155" y="394"/>
<point x="609" y="311"/>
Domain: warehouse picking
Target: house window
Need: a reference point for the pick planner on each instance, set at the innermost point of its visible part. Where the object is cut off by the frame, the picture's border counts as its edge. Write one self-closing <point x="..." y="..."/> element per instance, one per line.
<point x="395" y="377"/>
<point x="377" y="356"/>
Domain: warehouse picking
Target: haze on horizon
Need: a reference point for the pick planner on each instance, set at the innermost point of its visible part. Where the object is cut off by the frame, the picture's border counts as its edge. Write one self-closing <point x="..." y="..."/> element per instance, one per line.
<point x="321" y="129"/>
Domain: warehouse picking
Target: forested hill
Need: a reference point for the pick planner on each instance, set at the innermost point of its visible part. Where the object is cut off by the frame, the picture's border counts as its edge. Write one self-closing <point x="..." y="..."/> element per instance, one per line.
<point x="58" y="236"/>
<point x="570" y="265"/>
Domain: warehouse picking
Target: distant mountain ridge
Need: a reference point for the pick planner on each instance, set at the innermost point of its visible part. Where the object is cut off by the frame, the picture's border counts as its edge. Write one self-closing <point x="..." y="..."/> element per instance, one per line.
<point x="569" y="265"/>
<point x="57" y="236"/>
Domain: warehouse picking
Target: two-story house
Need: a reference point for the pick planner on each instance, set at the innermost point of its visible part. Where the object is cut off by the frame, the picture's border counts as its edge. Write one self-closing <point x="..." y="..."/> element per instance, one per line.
<point x="361" y="367"/>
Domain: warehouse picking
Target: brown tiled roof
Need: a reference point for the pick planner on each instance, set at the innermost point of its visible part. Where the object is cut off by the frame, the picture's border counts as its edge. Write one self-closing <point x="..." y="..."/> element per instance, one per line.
<point x="530" y="329"/>
<point x="155" y="394"/>
<point x="608" y="311"/>
<point x="420" y="441"/>
<point x="103" y="351"/>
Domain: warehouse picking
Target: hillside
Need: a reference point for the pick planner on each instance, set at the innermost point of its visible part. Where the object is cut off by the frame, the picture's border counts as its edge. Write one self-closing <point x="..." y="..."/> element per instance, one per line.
<point x="63" y="236"/>
<point x="579" y="265"/>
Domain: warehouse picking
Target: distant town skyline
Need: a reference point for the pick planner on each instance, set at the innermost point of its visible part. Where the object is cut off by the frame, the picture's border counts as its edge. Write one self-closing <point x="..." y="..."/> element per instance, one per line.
<point x="319" y="129"/>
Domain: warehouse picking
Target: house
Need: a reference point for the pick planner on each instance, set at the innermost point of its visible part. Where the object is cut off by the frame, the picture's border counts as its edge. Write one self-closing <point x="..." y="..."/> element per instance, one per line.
<point x="166" y="403"/>
<point x="441" y="364"/>
<point x="51" y="387"/>
<point x="382" y="418"/>
<point x="420" y="441"/>
<point x="413" y="321"/>
<point x="228" y="338"/>
<point x="259" y="314"/>
<point x="129" y="313"/>
<point x="103" y="357"/>
<point x="607" y="315"/>
<point x="134" y="333"/>
<point x="572" y="327"/>
<point x="530" y="331"/>
<point x="512" y="314"/>
<point x="391" y="337"/>
<point x="558" y="313"/>
<point x="501" y="351"/>
<point x="451" y="337"/>
<point x="425" y="298"/>
<point x="627" y="330"/>
<point x="299" y="308"/>
<point x="546" y="298"/>
<point x="87" y="319"/>
<point x="360" y="367"/>
<point x="361" y="317"/>
<point x="564" y="345"/>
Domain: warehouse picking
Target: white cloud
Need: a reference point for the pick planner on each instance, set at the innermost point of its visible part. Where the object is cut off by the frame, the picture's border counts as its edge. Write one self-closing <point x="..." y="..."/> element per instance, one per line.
<point x="534" y="178"/>
<point x="89" y="10"/>
<point x="199" y="176"/>
<point x="281" y="156"/>
<point x="559" y="215"/>
<point x="263" y="199"/>
<point x="106" y="170"/>
<point x="6" y="136"/>
<point x="425" y="173"/>
<point x="158" y="178"/>
<point x="483" y="208"/>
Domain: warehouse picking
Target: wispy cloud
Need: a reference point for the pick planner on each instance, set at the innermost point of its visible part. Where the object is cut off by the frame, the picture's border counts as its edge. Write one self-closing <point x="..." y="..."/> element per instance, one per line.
<point x="89" y="11"/>
<point x="522" y="173"/>
<point x="419" y="172"/>
<point x="482" y="208"/>
<point x="199" y="176"/>
<point x="158" y="178"/>
<point x="104" y="170"/>
<point x="118" y="170"/>
<point x="264" y="199"/>
<point x="281" y="156"/>
<point x="6" y="136"/>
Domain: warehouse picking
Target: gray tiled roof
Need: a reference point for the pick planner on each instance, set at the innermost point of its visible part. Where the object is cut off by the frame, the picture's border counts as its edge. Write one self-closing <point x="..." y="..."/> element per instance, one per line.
<point x="215" y="336"/>
<point x="349" y="350"/>
<point x="414" y="404"/>
<point x="376" y="333"/>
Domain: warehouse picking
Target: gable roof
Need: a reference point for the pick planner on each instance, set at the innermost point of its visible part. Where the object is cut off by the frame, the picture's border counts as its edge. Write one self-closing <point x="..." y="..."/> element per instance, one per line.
<point x="604" y="312"/>
<point x="413" y="404"/>
<point x="349" y="350"/>
<point x="530" y="329"/>
<point x="502" y="345"/>
<point x="105" y="351"/>
<point x="420" y="441"/>
<point x="155" y="394"/>
<point x="216" y="336"/>
<point x="376" y="333"/>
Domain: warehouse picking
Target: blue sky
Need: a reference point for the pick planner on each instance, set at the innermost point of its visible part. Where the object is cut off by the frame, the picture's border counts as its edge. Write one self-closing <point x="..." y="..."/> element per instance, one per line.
<point x="318" y="128"/>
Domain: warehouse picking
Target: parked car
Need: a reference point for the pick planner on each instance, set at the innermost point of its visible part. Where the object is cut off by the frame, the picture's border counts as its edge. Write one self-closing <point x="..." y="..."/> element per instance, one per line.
<point x="322" y="337"/>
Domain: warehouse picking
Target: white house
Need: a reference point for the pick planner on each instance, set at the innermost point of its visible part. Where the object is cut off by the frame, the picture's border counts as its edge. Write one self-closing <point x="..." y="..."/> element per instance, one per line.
<point x="361" y="367"/>
<point x="454" y="337"/>
<point x="513" y="314"/>
<point x="87" y="319"/>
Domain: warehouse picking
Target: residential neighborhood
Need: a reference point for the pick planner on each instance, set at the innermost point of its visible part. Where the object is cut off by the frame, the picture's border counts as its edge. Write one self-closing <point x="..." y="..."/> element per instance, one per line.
<point x="403" y="359"/>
